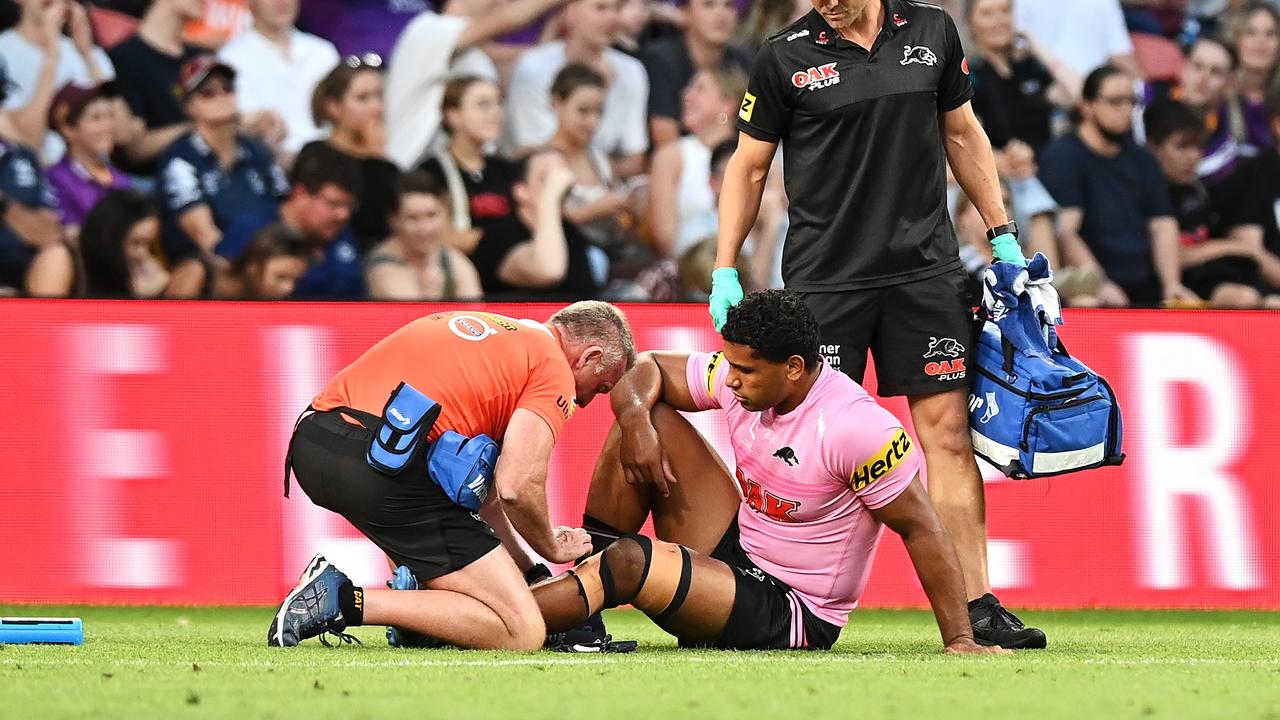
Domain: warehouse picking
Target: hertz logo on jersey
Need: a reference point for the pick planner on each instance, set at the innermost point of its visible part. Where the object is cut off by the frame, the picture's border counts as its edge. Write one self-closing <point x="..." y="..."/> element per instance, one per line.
<point x="884" y="460"/>
<point x="712" y="365"/>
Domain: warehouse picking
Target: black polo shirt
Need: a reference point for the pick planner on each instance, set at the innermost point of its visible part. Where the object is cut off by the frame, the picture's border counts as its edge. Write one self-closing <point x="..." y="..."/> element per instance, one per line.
<point x="863" y="157"/>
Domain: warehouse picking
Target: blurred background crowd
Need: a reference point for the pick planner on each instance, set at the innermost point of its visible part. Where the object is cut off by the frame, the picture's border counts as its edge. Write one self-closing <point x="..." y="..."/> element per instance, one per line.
<point x="561" y="150"/>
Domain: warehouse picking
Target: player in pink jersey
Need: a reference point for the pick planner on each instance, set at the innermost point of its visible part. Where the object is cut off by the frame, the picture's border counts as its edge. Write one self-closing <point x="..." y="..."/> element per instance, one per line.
<point x="775" y="554"/>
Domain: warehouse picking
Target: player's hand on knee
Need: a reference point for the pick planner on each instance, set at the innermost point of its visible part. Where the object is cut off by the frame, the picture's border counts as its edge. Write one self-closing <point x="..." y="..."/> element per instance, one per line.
<point x="571" y="544"/>
<point x="726" y="291"/>
<point x="643" y="461"/>
<point x="966" y="646"/>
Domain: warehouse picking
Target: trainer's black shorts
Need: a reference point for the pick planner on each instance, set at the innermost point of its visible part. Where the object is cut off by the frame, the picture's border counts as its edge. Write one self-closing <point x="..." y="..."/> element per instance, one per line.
<point x="764" y="614"/>
<point x="407" y="516"/>
<point x="919" y="333"/>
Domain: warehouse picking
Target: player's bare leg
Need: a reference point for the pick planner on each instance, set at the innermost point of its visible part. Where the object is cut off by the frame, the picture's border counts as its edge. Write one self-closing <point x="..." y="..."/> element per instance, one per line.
<point x="684" y="592"/>
<point x="699" y="506"/>
<point x="955" y="484"/>
<point x="955" y="488"/>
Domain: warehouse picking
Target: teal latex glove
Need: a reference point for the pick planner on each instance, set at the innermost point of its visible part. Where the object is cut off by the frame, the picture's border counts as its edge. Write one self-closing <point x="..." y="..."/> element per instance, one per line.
<point x="726" y="292"/>
<point x="1006" y="248"/>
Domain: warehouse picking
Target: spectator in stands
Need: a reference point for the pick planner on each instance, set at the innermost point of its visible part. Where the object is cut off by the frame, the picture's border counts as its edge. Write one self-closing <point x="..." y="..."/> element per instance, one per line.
<point x="360" y="26"/>
<point x="348" y="102"/>
<point x="324" y="185"/>
<point x="634" y="17"/>
<point x="76" y="58"/>
<point x="29" y="123"/>
<point x="598" y="206"/>
<point x="766" y="17"/>
<point x="1255" y="34"/>
<point x="435" y="47"/>
<point x="1115" y="216"/>
<point x="85" y="118"/>
<point x="1016" y="83"/>
<point x="268" y="269"/>
<point x="672" y="62"/>
<point x="279" y="67"/>
<point x="534" y="253"/>
<point x="30" y="220"/>
<point x="680" y="183"/>
<point x="624" y="133"/>
<point x="415" y="263"/>
<point x="214" y="174"/>
<point x="120" y="246"/>
<point x="1083" y="34"/>
<point x="1269" y="174"/>
<point x="480" y="184"/>
<point x="148" y="66"/>
<point x="1221" y="232"/>
<point x="1206" y="84"/>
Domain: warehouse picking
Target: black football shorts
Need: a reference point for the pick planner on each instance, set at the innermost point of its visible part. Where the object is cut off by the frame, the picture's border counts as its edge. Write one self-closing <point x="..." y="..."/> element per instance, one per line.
<point x="919" y="333"/>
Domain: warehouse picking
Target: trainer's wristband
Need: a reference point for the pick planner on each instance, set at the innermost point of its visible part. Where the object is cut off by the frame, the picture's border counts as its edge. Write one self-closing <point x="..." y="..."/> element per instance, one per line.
<point x="536" y="574"/>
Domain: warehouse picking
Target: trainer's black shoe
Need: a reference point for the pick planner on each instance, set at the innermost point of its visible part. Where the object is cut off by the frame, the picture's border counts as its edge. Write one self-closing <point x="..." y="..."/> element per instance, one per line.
<point x="994" y="625"/>
<point x="589" y="638"/>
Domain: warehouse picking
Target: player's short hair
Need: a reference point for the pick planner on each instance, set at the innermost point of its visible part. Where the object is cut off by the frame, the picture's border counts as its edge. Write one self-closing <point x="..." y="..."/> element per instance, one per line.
<point x="1165" y="118"/>
<point x="574" y="76"/>
<point x="318" y="164"/>
<point x="776" y="324"/>
<point x="597" y="322"/>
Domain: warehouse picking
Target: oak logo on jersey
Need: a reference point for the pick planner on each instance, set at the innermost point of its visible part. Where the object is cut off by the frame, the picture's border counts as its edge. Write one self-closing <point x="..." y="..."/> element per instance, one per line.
<point x="918" y="54"/>
<point x="816" y="78"/>
<point x="766" y="503"/>
<point x="884" y="460"/>
<point x="748" y="107"/>
<point x="713" y="364"/>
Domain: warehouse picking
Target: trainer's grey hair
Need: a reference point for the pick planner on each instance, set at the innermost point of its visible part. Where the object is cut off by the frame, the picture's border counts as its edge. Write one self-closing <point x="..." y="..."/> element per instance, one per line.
<point x="592" y="322"/>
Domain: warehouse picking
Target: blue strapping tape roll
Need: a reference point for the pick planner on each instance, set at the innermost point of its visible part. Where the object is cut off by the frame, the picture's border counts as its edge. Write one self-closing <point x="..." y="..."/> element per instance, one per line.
<point x="57" y="631"/>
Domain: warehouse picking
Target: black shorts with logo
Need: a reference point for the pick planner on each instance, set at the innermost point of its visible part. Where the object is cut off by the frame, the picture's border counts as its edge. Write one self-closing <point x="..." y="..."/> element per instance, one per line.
<point x="407" y="516"/>
<point x="918" y="332"/>
<point x="764" y="614"/>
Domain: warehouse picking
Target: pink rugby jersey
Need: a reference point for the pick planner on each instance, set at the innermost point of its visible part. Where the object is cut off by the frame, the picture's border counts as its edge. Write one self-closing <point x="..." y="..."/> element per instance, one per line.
<point x="809" y="479"/>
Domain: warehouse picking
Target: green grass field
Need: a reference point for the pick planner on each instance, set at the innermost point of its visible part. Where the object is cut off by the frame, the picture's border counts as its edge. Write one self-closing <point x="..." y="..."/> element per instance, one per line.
<point x="179" y="663"/>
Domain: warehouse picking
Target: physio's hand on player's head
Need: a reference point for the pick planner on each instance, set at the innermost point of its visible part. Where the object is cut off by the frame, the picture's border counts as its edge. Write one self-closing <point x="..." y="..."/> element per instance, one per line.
<point x="726" y="292"/>
<point x="966" y="646"/>
<point x="571" y="544"/>
<point x="643" y="461"/>
<point x="1006" y="248"/>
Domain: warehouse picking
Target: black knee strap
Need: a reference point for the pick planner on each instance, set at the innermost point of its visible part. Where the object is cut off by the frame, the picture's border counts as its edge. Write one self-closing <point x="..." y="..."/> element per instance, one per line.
<point x="682" y="590"/>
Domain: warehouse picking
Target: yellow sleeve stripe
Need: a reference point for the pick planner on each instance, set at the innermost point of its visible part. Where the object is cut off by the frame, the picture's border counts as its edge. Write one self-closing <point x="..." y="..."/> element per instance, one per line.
<point x="712" y="366"/>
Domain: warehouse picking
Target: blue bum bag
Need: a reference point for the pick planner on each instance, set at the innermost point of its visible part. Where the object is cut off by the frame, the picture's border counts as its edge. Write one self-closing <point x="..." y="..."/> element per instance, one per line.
<point x="406" y="419"/>
<point x="462" y="466"/>
<point x="1034" y="410"/>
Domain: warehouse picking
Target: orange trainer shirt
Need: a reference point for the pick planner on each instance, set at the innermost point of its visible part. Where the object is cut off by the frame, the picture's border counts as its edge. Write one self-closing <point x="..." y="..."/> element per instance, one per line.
<point x="479" y="366"/>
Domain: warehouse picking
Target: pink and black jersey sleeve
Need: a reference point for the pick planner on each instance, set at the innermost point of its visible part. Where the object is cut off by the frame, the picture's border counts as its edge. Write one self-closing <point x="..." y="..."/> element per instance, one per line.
<point x="705" y="374"/>
<point x="874" y="454"/>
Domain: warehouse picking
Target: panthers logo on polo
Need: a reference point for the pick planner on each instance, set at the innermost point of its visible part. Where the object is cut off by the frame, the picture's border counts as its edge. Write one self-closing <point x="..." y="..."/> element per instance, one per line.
<point x="918" y="54"/>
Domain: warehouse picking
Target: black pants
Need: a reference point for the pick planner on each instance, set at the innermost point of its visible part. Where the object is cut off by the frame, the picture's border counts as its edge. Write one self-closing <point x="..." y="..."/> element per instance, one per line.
<point x="408" y="516"/>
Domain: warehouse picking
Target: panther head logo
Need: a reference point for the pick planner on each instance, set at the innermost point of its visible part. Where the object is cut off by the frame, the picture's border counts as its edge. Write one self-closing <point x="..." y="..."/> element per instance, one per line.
<point x="918" y="54"/>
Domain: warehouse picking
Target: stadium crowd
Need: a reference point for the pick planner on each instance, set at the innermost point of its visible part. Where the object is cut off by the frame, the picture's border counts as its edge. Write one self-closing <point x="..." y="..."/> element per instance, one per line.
<point x="574" y="149"/>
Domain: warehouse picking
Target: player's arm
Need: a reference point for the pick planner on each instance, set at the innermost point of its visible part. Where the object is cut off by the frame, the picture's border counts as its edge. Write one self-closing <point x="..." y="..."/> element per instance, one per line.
<point x="521" y="483"/>
<point x="657" y="376"/>
<point x="912" y="516"/>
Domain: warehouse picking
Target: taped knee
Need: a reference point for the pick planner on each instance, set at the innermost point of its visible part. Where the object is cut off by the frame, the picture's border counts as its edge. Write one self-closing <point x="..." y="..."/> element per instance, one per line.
<point x="653" y="576"/>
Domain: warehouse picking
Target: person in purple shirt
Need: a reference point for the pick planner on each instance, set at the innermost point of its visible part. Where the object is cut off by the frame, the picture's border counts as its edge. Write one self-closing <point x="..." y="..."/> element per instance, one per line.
<point x="360" y="26"/>
<point x="84" y="117"/>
